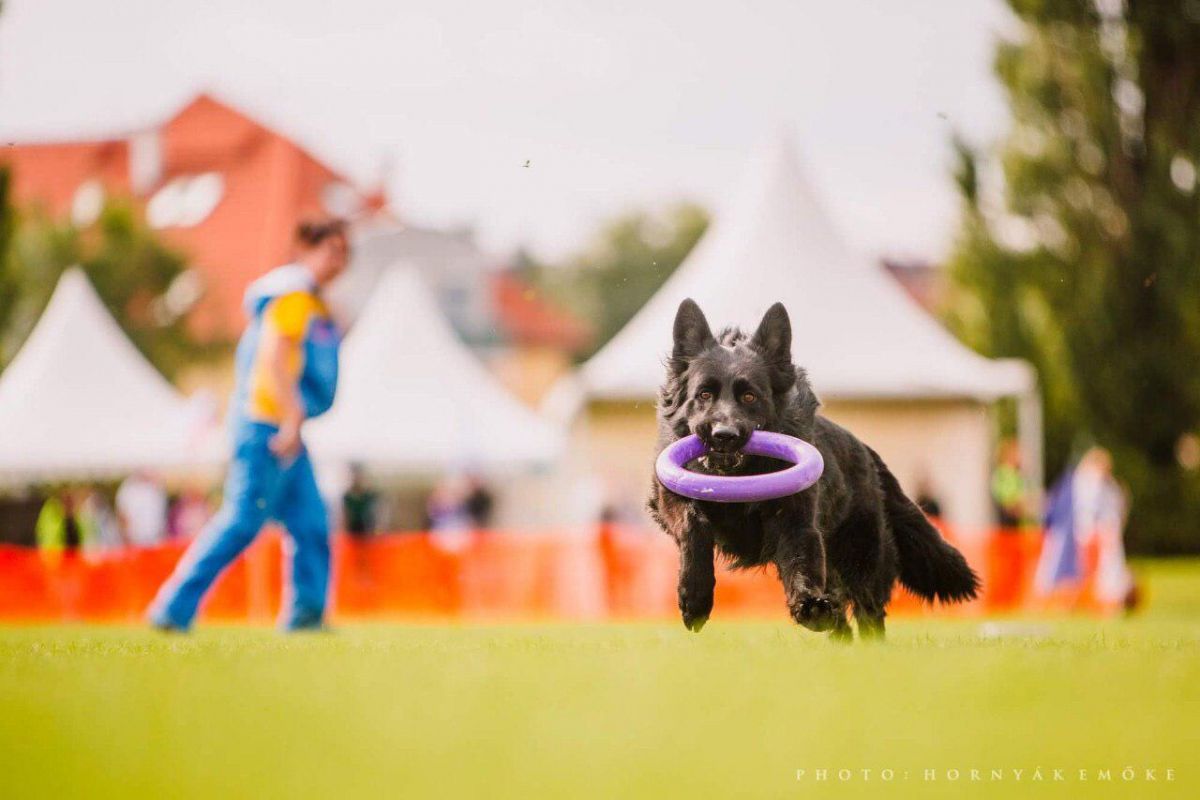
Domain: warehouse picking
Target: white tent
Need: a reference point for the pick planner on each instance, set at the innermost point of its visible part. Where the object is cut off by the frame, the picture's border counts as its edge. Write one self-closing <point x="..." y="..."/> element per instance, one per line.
<point x="855" y="330"/>
<point x="80" y="401"/>
<point x="413" y="400"/>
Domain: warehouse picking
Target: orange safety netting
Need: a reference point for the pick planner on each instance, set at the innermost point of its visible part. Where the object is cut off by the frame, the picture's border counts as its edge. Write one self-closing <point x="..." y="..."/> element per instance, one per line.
<point x="622" y="573"/>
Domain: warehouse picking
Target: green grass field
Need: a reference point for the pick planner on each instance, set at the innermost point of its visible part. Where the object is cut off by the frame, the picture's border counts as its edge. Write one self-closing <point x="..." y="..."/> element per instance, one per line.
<point x="610" y="710"/>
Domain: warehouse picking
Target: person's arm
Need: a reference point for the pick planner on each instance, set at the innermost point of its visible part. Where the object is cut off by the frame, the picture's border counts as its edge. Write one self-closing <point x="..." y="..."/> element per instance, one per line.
<point x="285" y="443"/>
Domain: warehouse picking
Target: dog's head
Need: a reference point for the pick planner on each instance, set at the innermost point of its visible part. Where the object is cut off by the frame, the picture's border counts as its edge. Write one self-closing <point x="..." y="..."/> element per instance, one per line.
<point x="723" y="388"/>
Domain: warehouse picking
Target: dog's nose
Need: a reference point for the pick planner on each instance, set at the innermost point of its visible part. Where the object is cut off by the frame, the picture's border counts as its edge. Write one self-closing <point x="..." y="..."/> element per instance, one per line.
<point x="724" y="434"/>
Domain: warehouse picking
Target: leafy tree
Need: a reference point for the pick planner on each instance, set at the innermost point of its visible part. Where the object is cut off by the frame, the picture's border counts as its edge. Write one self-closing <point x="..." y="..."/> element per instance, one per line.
<point x="629" y="259"/>
<point x="145" y="284"/>
<point x="1086" y="257"/>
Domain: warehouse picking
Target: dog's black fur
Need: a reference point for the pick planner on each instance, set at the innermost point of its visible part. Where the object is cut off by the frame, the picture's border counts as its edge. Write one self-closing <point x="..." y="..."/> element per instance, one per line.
<point x="839" y="545"/>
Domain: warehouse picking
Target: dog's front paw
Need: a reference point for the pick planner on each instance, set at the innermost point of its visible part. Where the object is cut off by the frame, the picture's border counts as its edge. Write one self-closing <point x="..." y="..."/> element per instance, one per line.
<point x="695" y="606"/>
<point x="817" y="612"/>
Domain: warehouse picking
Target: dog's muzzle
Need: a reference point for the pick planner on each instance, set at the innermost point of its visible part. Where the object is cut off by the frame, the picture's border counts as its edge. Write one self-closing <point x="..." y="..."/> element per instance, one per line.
<point x="724" y="441"/>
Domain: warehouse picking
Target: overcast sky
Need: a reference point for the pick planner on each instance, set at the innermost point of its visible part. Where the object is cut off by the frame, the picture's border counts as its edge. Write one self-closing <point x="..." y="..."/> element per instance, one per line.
<point x="613" y="104"/>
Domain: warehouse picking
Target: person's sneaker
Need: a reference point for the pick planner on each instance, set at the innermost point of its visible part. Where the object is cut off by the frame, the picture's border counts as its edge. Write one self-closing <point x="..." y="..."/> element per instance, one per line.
<point x="307" y="623"/>
<point x="162" y="626"/>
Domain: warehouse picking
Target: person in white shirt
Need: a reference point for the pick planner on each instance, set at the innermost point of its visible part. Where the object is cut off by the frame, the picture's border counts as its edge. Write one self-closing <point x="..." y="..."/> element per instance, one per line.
<point x="1100" y="512"/>
<point x="142" y="508"/>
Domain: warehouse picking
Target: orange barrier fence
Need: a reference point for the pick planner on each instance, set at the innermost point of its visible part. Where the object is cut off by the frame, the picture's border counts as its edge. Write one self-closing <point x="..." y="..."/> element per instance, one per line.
<point x="620" y="573"/>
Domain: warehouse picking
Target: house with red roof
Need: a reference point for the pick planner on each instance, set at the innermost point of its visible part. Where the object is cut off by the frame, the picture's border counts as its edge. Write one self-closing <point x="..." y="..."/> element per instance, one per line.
<point x="227" y="191"/>
<point x="224" y="189"/>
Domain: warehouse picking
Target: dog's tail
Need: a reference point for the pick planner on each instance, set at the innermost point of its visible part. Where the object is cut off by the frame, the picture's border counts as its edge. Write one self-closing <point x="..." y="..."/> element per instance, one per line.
<point x="929" y="566"/>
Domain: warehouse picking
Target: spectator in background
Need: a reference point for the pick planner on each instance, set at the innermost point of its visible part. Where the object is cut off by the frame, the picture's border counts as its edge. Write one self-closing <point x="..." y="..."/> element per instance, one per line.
<point x="479" y="502"/>
<point x="1085" y="523"/>
<point x="62" y="532"/>
<point x="927" y="499"/>
<point x="1101" y="512"/>
<point x="358" y="505"/>
<point x="97" y="517"/>
<point x="59" y="531"/>
<point x="446" y="511"/>
<point x="142" y="510"/>
<point x="188" y="513"/>
<point x="1008" y="487"/>
<point x="73" y="520"/>
<point x="359" y="518"/>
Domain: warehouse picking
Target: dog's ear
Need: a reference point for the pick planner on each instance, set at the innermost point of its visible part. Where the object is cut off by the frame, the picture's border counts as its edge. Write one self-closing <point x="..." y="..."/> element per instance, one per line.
<point x="774" y="335"/>
<point x="692" y="334"/>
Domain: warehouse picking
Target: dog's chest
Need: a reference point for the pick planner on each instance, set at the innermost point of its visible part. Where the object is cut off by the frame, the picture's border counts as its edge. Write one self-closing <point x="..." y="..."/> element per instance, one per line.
<point x="739" y="533"/>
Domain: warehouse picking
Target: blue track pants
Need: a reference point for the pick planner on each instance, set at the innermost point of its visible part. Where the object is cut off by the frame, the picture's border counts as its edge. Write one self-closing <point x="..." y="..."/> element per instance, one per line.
<point x="258" y="488"/>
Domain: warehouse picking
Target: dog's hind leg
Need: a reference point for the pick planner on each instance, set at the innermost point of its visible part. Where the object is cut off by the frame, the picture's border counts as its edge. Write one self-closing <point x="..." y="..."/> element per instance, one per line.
<point x="865" y="560"/>
<point x="870" y="602"/>
<point x="842" y="633"/>
<point x="869" y="617"/>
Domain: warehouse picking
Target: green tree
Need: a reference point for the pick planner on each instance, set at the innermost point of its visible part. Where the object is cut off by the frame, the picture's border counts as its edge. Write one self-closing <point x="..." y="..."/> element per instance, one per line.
<point x="628" y="260"/>
<point x="145" y="284"/>
<point x="1086" y="259"/>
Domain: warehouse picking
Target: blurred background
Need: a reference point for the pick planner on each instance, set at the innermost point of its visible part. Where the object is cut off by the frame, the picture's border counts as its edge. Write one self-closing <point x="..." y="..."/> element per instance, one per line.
<point x="982" y="217"/>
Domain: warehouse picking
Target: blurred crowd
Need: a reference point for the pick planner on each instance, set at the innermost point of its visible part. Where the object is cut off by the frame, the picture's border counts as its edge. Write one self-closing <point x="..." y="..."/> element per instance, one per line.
<point x="138" y="512"/>
<point x="141" y="511"/>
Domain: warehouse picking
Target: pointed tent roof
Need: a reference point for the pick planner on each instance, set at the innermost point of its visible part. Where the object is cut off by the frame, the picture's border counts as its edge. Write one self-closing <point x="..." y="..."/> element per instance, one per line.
<point x="79" y="400"/>
<point x="854" y="329"/>
<point x="413" y="400"/>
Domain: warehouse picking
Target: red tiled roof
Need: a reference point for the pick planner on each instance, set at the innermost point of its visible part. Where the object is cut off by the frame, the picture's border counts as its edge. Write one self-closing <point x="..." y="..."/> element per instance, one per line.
<point x="269" y="184"/>
<point x="48" y="175"/>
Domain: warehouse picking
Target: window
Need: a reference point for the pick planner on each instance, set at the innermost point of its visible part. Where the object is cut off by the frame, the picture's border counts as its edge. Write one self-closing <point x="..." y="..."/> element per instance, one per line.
<point x="340" y="199"/>
<point x="87" y="203"/>
<point x="185" y="201"/>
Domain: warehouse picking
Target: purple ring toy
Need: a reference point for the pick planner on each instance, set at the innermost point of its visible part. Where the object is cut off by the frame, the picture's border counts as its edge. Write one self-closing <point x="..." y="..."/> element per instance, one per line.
<point x="806" y="470"/>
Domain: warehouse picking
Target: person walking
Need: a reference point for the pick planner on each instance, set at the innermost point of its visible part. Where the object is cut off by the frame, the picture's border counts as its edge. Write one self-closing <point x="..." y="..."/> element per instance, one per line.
<point x="287" y="365"/>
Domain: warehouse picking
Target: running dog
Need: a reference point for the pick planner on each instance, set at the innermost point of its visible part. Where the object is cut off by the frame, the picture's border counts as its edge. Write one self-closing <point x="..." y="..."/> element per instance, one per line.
<point x="839" y="545"/>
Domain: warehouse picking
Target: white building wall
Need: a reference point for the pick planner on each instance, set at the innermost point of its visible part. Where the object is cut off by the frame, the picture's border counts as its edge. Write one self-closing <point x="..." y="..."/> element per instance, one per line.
<point x="946" y="443"/>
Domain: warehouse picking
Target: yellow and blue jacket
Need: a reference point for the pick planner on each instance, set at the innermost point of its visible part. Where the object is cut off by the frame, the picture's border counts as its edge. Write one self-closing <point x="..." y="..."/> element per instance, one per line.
<point x="284" y="304"/>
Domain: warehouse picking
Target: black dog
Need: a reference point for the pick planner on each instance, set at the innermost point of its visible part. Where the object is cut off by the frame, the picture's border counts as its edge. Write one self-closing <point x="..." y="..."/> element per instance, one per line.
<point x="841" y="543"/>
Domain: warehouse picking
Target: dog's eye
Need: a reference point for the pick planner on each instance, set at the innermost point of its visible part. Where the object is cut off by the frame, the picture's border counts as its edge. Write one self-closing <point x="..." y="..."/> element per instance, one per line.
<point x="706" y="395"/>
<point x="749" y="397"/>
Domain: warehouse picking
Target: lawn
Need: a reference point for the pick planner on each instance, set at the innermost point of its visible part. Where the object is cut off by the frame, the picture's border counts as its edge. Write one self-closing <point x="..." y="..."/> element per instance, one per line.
<point x="611" y="710"/>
